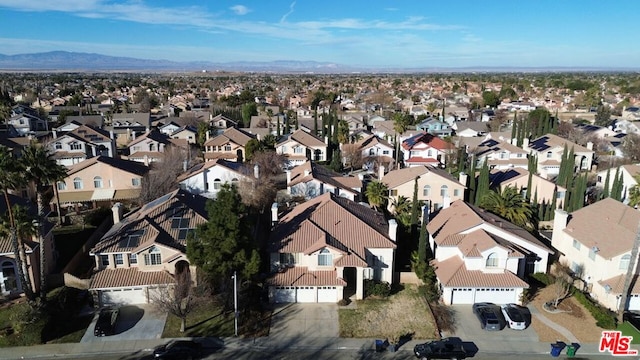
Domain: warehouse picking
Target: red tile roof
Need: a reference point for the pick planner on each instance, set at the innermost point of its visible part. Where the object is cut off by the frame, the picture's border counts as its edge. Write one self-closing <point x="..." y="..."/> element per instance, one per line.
<point x="302" y="276"/>
<point x="453" y="273"/>
<point x="110" y="278"/>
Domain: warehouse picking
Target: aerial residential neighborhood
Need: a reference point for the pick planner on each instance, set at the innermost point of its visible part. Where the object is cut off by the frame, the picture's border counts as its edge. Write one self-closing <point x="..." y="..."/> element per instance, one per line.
<point x="220" y="191"/>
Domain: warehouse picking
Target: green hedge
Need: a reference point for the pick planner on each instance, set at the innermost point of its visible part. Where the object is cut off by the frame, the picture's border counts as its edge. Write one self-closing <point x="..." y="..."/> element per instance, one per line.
<point x="377" y="288"/>
<point x="545" y="279"/>
<point x="605" y="318"/>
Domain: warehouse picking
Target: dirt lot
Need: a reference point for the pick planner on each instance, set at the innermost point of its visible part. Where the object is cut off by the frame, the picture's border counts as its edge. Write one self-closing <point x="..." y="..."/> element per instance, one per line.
<point x="578" y="320"/>
<point x="404" y="313"/>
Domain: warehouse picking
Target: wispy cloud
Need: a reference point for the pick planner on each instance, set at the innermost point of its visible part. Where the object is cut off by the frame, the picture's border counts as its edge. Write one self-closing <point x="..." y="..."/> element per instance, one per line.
<point x="240" y="9"/>
<point x="391" y="9"/>
<point x="284" y="17"/>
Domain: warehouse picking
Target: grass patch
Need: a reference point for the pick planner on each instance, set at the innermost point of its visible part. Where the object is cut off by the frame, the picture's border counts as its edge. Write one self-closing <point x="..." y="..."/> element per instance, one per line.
<point x="207" y="319"/>
<point x="404" y="313"/>
<point x="629" y="330"/>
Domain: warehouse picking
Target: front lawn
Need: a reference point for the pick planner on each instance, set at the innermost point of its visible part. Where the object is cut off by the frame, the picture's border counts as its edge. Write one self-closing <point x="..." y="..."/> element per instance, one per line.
<point x="402" y="314"/>
<point x="207" y="319"/>
<point x="628" y="330"/>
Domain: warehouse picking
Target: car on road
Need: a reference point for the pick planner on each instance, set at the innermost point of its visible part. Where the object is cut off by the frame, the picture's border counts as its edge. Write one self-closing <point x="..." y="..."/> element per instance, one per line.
<point x="490" y="316"/>
<point x="514" y="316"/>
<point x="447" y="348"/>
<point x="633" y="318"/>
<point x="178" y="350"/>
<point x="106" y="323"/>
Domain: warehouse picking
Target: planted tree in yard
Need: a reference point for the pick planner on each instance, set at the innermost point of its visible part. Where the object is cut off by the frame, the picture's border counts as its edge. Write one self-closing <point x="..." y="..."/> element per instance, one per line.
<point x="377" y="194"/>
<point x="634" y="192"/>
<point x="482" y="188"/>
<point x="561" y="285"/>
<point x="509" y="204"/>
<point x="415" y="207"/>
<point x="607" y="181"/>
<point x="179" y="299"/>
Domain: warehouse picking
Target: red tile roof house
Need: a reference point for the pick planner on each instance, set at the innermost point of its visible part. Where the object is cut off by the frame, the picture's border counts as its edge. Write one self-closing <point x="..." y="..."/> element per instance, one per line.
<point x="481" y="257"/>
<point x="229" y="145"/>
<point x="596" y="243"/>
<point x="150" y="147"/>
<point x="144" y="249"/>
<point x="425" y="149"/>
<point x="82" y="143"/>
<point x="301" y="146"/>
<point x="311" y="180"/>
<point x="324" y="249"/>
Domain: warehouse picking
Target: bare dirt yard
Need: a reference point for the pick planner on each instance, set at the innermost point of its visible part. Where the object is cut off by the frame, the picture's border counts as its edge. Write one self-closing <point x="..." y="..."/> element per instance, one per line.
<point x="577" y="319"/>
<point x="403" y="314"/>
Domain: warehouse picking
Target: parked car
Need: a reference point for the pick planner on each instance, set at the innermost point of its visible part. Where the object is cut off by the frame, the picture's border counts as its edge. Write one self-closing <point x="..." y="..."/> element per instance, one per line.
<point x="106" y="323"/>
<point x="179" y="350"/>
<point x="514" y="316"/>
<point x="489" y="315"/>
<point x="447" y="348"/>
<point x="633" y="318"/>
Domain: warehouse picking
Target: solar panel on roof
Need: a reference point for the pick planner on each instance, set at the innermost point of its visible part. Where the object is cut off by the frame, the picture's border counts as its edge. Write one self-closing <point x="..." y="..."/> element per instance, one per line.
<point x="156" y="202"/>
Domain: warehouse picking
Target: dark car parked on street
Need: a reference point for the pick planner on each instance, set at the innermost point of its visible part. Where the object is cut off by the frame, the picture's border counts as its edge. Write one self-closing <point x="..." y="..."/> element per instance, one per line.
<point x="179" y="350"/>
<point x="447" y="348"/>
<point x="490" y="316"/>
<point x="106" y="323"/>
<point x="633" y="318"/>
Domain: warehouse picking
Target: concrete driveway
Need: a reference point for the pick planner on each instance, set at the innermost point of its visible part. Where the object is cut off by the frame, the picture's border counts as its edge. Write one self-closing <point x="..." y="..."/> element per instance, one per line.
<point x="468" y="329"/>
<point x="136" y="322"/>
<point x="305" y="322"/>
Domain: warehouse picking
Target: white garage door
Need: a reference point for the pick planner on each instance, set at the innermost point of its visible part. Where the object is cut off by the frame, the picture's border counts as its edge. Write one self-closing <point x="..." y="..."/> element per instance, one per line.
<point x="327" y="294"/>
<point x="498" y="296"/>
<point x="462" y="296"/>
<point x="306" y="294"/>
<point x="124" y="296"/>
<point x="284" y="294"/>
<point x="634" y="302"/>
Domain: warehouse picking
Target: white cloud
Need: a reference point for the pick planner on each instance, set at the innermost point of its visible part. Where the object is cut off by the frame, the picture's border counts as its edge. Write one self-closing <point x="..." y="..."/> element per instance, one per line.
<point x="284" y="17"/>
<point x="240" y="9"/>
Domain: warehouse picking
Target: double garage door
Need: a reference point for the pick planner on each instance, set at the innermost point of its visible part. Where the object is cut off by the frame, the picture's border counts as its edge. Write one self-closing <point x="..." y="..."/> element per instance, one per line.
<point x="305" y="294"/>
<point x="125" y="296"/>
<point x="476" y="295"/>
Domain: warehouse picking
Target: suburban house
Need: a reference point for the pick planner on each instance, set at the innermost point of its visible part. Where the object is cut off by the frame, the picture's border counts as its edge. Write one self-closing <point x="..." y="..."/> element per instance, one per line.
<point x="470" y="128"/>
<point x="145" y="249"/>
<point x="101" y="180"/>
<point x="222" y="122"/>
<point x="596" y="243"/>
<point x="150" y="147"/>
<point x="541" y="189"/>
<point x="81" y="143"/>
<point x="125" y="126"/>
<point x="10" y="284"/>
<point x="500" y="155"/>
<point x="324" y="249"/>
<point x="310" y="180"/>
<point x="374" y="152"/>
<point x="355" y="123"/>
<point x="301" y="146"/>
<point x="187" y="133"/>
<point x="628" y="172"/>
<point x="436" y="187"/>
<point x="206" y="178"/>
<point x="26" y="120"/>
<point x="425" y="149"/>
<point x="481" y="257"/>
<point x="435" y="127"/>
<point x="550" y="148"/>
<point x="229" y="145"/>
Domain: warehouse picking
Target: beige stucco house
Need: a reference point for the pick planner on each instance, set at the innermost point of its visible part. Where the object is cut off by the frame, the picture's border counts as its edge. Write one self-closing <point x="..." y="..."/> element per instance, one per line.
<point x="541" y="188"/>
<point x="549" y="149"/>
<point x="301" y="146"/>
<point x="229" y="145"/>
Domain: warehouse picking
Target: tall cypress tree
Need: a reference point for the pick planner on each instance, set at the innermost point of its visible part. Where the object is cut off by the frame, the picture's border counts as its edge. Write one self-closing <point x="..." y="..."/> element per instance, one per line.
<point x="424" y="234"/>
<point x="414" y="206"/>
<point x="616" y="189"/>
<point x="562" y="172"/>
<point x="315" y="122"/>
<point x="514" y="127"/>
<point x="554" y="200"/>
<point x="605" y="190"/>
<point x="527" y="194"/>
<point x="483" y="182"/>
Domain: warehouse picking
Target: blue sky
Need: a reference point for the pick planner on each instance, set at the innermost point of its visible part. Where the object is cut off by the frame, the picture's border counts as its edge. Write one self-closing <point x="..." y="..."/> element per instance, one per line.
<point x="374" y="33"/>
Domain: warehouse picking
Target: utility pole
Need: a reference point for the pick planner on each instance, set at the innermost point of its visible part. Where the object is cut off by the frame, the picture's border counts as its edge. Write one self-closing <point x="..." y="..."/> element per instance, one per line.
<point x="235" y="302"/>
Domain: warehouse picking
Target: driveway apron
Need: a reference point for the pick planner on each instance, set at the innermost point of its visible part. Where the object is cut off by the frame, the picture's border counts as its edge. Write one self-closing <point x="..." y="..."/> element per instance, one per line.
<point x="136" y="322"/>
<point x="305" y="321"/>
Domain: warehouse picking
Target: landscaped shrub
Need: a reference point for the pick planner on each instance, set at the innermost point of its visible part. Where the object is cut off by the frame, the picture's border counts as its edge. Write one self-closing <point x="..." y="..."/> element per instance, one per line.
<point x="96" y="217"/>
<point x="605" y="318"/>
<point x="376" y="288"/>
<point x="546" y="279"/>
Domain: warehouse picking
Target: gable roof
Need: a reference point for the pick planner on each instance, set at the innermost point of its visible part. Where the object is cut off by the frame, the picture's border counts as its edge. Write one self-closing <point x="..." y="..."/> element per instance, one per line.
<point x="324" y="175"/>
<point x="303" y="138"/>
<point x="131" y="119"/>
<point x="494" y="146"/>
<point x="154" y="135"/>
<point x="398" y="177"/>
<point x="89" y="133"/>
<point x="550" y="141"/>
<point x="608" y="224"/>
<point x="452" y="272"/>
<point x="133" y="167"/>
<point x="236" y="136"/>
<point x="204" y="166"/>
<point x="426" y="138"/>
<point x="372" y="140"/>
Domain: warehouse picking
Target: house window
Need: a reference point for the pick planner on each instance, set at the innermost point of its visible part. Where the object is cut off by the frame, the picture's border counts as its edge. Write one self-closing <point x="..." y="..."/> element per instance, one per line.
<point x="519" y="156"/>
<point x="592" y="253"/>
<point x="77" y="183"/>
<point x="227" y="147"/>
<point x="325" y="258"/>
<point x="503" y="155"/>
<point x="298" y="150"/>
<point x="429" y="153"/>
<point x="283" y="149"/>
<point x="217" y="184"/>
<point x="152" y="147"/>
<point x="492" y="260"/>
<point x="576" y="244"/>
<point x="624" y="262"/>
<point x="560" y="195"/>
<point x="426" y="190"/>
<point x="288" y="258"/>
<point x="62" y="185"/>
<point x="104" y="260"/>
<point x="385" y="152"/>
<point x="135" y="181"/>
<point x="393" y="192"/>
<point x="153" y="256"/>
<point x="75" y="146"/>
<point x="133" y="259"/>
<point x="372" y="152"/>
<point x="97" y="182"/>
<point x="456" y="192"/>
<point x="119" y="259"/>
<point x="549" y="154"/>
<point x="444" y="191"/>
<point x="234" y="182"/>
<point x="58" y="145"/>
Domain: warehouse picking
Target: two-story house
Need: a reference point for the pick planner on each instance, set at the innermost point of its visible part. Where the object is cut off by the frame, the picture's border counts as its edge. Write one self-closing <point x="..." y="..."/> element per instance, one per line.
<point x="206" y="178"/>
<point x="310" y="180"/>
<point x="628" y="172"/>
<point x="550" y="148"/>
<point x="426" y="149"/>
<point x="222" y="122"/>
<point x="146" y="249"/>
<point x="436" y="187"/>
<point x="81" y="143"/>
<point x="26" y="120"/>
<point x="150" y="147"/>
<point x="500" y="155"/>
<point x="325" y="248"/>
<point x="435" y="127"/>
<point x="301" y="146"/>
<point x="596" y="243"/>
<point x="542" y="189"/>
<point x="229" y="145"/>
<point x="481" y="257"/>
<point x="374" y="152"/>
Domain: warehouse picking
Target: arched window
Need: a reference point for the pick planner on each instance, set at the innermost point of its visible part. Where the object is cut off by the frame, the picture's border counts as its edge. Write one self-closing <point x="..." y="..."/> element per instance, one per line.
<point x="153" y="256"/>
<point x="234" y="182"/>
<point x="624" y="262"/>
<point x="325" y="258"/>
<point x="444" y="190"/>
<point x="217" y="184"/>
<point x="426" y="190"/>
<point x="62" y="185"/>
<point x="492" y="260"/>
<point x="97" y="182"/>
<point x="58" y="145"/>
<point x="77" y="183"/>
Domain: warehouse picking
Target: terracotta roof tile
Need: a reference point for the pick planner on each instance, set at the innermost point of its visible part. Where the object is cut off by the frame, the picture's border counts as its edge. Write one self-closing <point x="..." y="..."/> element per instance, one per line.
<point x="302" y="276"/>
<point x="617" y="284"/>
<point x="453" y="273"/>
<point x="110" y="278"/>
<point x="232" y="135"/>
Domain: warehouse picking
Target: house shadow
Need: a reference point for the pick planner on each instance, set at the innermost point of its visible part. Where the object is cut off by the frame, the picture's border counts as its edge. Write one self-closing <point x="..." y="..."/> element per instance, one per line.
<point x="129" y="316"/>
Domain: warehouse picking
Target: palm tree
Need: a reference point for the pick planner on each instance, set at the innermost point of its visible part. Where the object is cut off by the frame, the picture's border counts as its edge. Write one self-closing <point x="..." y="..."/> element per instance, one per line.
<point x="42" y="170"/>
<point x="19" y="223"/>
<point x="510" y="205"/>
<point x="400" y="124"/>
<point x="402" y="209"/>
<point x="377" y="194"/>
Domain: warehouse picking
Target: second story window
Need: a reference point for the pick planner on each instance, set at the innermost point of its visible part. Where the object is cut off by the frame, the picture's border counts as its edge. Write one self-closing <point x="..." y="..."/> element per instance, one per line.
<point x="325" y="258"/>
<point x="135" y="182"/>
<point x="58" y="145"/>
<point x="298" y="150"/>
<point x="444" y="190"/>
<point x="549" y="154"/>
<point x="624" y="262"/>
<point x="426" y="190"/>
<point x="133" y="259"/>
<point x="62" y="185"/>
<point x="153" y="256"/>
<point x="104" y="260"/>
<point x="227" y="147"/>
<point x="77" y="183"/>
<point x="492" y="260"/>
<point x="217" y="184"/>
<point x="119" y="259"/>
<point x="75" y="146"/>
<point x="97" y="182"/>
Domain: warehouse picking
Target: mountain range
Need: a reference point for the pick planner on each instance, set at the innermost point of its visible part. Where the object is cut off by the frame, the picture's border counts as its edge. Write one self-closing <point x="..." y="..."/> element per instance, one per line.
<point x="87" y="62"/>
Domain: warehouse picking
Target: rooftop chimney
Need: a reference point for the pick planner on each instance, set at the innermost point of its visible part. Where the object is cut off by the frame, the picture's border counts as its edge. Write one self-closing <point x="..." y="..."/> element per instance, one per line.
<point x="117" y="212"/>
<point x="111" y="135"/>
<point x="380" y="172"/>
<point x="393" y="229"/>
<point x="525" y="144"/>
<point x="256" y="171"/>
<point x="274" y="213"/>
<point x="185" y="163"/>
<point x="446" y="201"/>
<point x="207" y="135"/>
<point x="590" y="145"/>
<point x="560" y="220"/>
<point x="463" y="178"/>
<point x="55" y="134"/>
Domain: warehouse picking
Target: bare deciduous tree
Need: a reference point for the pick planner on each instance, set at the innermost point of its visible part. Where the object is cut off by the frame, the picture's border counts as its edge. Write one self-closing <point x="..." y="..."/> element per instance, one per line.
<point x="259" y="192"/>
<point x="178" y="299"/>
<point x="161" y="178"/>
<point x="352" y="156"/>
<point x="562" y="284"/>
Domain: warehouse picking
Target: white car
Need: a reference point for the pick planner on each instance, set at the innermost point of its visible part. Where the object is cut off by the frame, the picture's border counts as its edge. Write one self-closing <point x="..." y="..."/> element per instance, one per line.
<point x="515" y="316"/>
